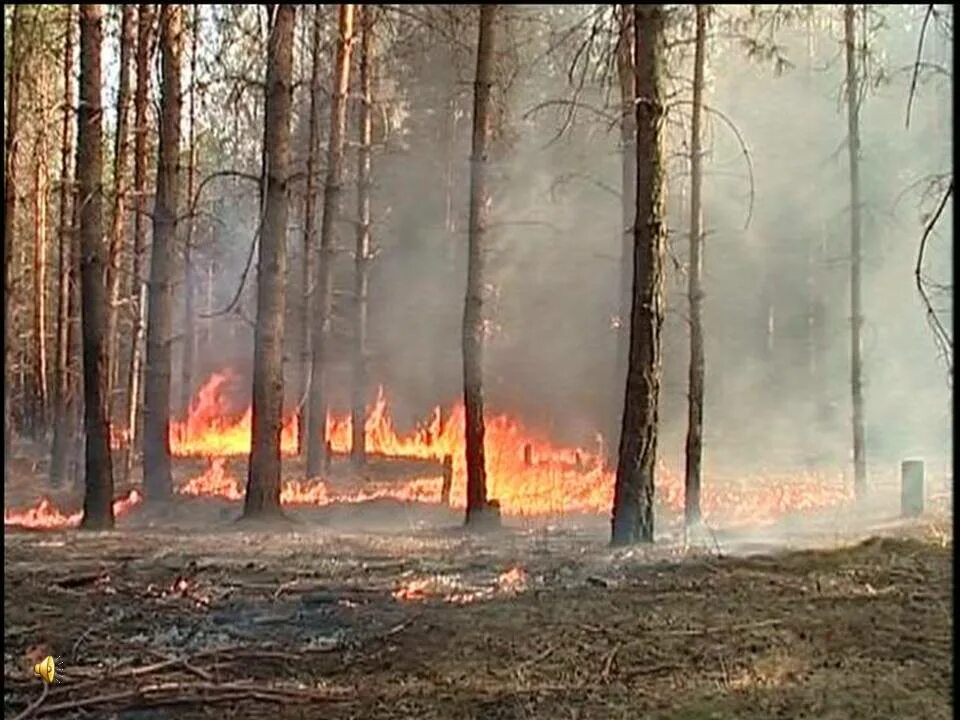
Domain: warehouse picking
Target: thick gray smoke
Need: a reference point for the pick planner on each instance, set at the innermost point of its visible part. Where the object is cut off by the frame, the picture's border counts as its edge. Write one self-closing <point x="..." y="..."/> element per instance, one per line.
<point x="777" y="303"/>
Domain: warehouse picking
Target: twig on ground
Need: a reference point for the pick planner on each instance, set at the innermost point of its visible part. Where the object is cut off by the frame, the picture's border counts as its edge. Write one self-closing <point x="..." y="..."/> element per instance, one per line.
<point x="608" y="662"/>
<point x="31" y="709"/>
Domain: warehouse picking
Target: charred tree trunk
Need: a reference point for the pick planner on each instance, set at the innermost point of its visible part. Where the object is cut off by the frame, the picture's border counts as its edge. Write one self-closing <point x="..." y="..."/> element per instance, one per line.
<point x="694" y="454"/>
<point x="63" y="382"/>
<point x="120" y="165"/>
<point x="38" y="401"/>
<point x="10" y="211"/>
<point x="628" y="182"/>
<point x="189" y="280"/>
<point x="138" y="289"/>
<point x="358" y="447"/>
<point x="263" y="480"/>
<point x="156" y="411"/>
<point x="633" y="494"/>
<point x="478" y="512"/>
<point x="310" y="231"/>
<point x="323" y="290"/>
<point x="98" y="495"/>
<point x="856" y="307"/>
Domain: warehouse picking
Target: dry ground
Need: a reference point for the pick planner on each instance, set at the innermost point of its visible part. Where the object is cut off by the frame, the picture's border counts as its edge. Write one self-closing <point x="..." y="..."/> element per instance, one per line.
<point x="303" y="622"/>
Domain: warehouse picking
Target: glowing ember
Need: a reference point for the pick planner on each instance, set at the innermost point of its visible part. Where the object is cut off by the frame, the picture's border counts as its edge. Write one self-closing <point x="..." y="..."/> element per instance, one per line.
<point x="46" y="515"/>
<point x="450" y="588"/>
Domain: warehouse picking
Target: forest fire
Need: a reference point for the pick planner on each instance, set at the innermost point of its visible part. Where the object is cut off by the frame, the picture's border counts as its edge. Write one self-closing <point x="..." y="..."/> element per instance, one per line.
<point x="45" y="515"/>
<point x="527" y="474"/>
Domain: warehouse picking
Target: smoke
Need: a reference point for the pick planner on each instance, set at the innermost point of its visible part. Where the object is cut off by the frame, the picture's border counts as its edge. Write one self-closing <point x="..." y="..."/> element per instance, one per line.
<point x="777" y="291"/>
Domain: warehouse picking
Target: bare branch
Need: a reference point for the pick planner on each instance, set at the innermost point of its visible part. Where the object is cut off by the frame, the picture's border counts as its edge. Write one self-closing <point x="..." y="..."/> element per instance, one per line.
<point x="916" y="65"/>
<point x="940" y="333"/>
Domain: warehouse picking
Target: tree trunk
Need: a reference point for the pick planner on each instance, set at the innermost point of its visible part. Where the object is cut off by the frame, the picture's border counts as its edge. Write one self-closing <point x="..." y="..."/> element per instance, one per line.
<point x="189" y="279"/>
<point x="323" y="290"/>
<point x="120" y="164"/>
<point x="628" y="181"/>
<point x="634" y="490"/>
<point x="63" y="381"/>
<point x="358" y="449"/>
<point x="856" y="309"/>
<point x="156" y="411"/>
<point x="38" y="401"/>
<point x="695" y="287"/>
<point x="138" y="290"/>
<point x="310" y="231"/>
<point x="98" y="495"/>
<point x="9" y="211"/>
<point x="263" y="480"/>
<point x="473" y="326"/>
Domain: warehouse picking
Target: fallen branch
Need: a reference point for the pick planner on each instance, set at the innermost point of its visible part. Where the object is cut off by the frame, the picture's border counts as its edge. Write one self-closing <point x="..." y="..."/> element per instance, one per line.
<point x="189" y="693"/>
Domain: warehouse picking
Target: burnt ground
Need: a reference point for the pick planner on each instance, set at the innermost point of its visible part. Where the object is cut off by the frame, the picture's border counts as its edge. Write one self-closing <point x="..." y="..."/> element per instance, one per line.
<point x="328" y="619"/>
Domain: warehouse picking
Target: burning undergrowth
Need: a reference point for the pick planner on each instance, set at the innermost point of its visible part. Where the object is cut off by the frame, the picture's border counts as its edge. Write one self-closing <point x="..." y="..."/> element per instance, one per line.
<point x="528" y="474"/>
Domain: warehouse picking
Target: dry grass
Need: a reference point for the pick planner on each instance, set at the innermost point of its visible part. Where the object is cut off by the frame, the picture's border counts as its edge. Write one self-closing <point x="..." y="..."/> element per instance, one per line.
<point x="234" y="624"/>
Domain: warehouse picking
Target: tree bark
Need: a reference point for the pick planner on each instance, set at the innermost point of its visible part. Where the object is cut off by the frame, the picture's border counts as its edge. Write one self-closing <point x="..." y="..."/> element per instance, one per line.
<point x="138" y="290"/>
<point x="10" y="210"/>
<point x="156" y="420"/>
<point x="358" y="449"/>
<point x="263" y="480"/>
<point x="189" y="278"/>
<point x="120" y="164"/>
<point x="694" y="453"/>
<point x="473" y="325"/>
<point x="323" y="290"/>
<point x="634" y="490"/>
<point x="98" y="495"/>
<point x="38" y="401"/>
<point x="310" y="230"/>
<point x="63" y="394"/>
<point x="856" y="306"/>
<point x="628" y="182"/>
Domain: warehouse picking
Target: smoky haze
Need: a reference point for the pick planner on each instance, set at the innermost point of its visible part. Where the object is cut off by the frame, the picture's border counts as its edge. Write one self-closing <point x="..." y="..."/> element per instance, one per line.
<point x="777" y="287"/>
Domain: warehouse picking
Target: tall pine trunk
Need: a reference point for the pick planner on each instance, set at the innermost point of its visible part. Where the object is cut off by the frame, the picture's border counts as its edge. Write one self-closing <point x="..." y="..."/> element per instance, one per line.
<point x="473" y="327"/>
<point x="323" y="289"/>
<point x="10" y="211"/>
<point x="263" y="479"/>
<point x="856" y="306"/>
<point x="118" y="219"/>
<point x="98" y="495"/>
<point x="156" y="411"/>
<point x="189" y="276"/>
<point x="138" y="288"/>
<point x="310" y="230"/>
<point x="361" y="257"/>
<point x="63" y="383"/>
<point x="628" y="183"/>
<point x="38" y="413"/>
<point x="634" y="490"/>
<point x="694" y="453"/>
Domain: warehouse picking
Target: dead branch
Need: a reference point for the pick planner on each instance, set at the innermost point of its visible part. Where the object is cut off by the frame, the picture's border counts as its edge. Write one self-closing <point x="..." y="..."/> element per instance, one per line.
<point x="916" y="64"/>
<point x="743" y="147"/>
<point x="940" y="333"/>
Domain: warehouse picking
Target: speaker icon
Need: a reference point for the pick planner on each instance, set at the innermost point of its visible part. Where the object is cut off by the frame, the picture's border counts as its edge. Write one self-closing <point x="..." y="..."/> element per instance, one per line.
<point x="45" y="669"/>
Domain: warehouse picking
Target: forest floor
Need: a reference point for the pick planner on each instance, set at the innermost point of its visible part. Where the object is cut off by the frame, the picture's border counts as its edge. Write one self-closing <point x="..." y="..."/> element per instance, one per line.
<point x="329" y="618"/>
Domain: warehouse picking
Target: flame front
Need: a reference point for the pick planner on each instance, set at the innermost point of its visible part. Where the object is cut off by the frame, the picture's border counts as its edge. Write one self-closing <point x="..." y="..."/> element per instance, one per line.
<point x="45" y="515"/>
<point x="526" y="473"/>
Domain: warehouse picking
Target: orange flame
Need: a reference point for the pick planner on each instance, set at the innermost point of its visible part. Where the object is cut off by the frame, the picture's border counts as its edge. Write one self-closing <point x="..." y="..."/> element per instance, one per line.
<point x="529" y="475"/>
<point x="46" y="515"/>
